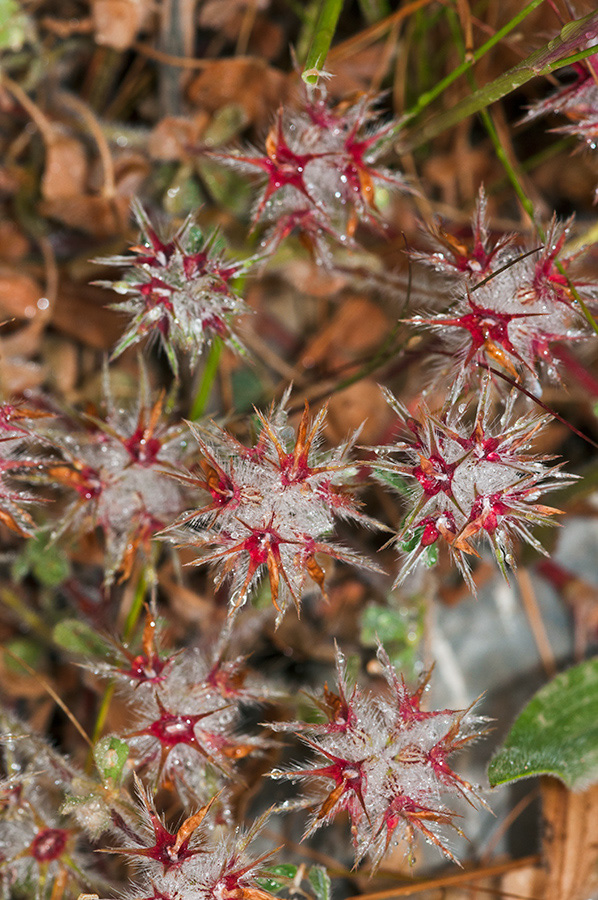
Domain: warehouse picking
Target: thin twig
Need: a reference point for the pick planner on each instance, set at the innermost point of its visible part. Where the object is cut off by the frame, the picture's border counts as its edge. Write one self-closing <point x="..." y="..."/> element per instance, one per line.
<point x="458" y="878"/>
<point x="85" y="113"/>
<point x="536" y="623"/>
<point x="50" y="690"/>
<point x="167" y="59"/>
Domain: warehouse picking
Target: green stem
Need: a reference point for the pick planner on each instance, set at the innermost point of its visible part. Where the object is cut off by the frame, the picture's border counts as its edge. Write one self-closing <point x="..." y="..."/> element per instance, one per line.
<point x="509" y="169"/>
<point x="200" y="401"/>
<point x="137" y="605"/>
<point x="321" y="40"/>
<point x="298" y="8"/>
<point x="536" y="159"/>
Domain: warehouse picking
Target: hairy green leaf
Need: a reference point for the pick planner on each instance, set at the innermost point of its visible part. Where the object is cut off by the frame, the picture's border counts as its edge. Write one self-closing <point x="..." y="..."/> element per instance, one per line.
<point x="556" y="734"/>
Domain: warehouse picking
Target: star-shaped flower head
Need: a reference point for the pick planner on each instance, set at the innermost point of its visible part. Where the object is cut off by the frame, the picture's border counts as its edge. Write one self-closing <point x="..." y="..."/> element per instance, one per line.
<point x="40" y="851"/>
<point x="468" y="481"/>
<point x="117" y="466"/>
<point x="186" y="730"/>
<point x="271" y="507"/>
<point x="179" y="290"/>
<point x="384" y="760"/>
<point x="158" y="848"/>
<point x="321" y="168"/>
<point x="223" y="869"/>
<point x="468" y="260"/>
<point x="513" y="316"/>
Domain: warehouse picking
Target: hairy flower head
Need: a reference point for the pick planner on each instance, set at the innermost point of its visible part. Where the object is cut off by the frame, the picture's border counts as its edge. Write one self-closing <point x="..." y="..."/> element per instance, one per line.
<point x="321" y="171"/>
<point x="117" y="466"/>
<point x="178" y="289"/>
<point x="577" y="102"/>
<point x="271" y="508"/>
<point x="510" y="317"/>
<point x="467" y="481"/>
<point x="384" y="760"/>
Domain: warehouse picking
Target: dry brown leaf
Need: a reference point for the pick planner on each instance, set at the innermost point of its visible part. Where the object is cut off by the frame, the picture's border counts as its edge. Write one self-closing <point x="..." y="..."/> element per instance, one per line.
<point x="13" y="243"/>
<point x="216" y="14"/>
<point x="19" y="294"/>
<point x="18" y="375"/>
<point x="186" y="604"/>
<point x="570" y="847"/>
<point x="62" y="359"/>
<point x="445" y="171"/>
<point x="356" y="331"/>
<point x="11" y="180"/>
<point x="65" y="171"/>
<point x="17" y="684"/>
<point x="25" y="341"/>
<point x="266" y="38"/>
<point x="357" y="328"/>
<point x="229" y="17"/>
<point x="309" y="278"/>
<point x="117" y="22"/>
<point x="99" y="214"/>
<point x="362" y="402"/>
<point x="249" y="83"/>
<point x="81" y="312"/>
<point x="356" y="72"/>
<point x="173" y="136"/>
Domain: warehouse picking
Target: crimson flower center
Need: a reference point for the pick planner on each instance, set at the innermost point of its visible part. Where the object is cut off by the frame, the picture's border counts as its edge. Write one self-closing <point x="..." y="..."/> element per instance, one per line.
<point x="49" y="844"/>
<point x="142" y="450"/>
<point x="172" y="729"/>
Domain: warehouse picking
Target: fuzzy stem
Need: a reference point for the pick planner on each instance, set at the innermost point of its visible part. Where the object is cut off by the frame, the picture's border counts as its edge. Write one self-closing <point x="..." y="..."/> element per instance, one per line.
<point x="321" y="40"/>
<point x="200" y="401"/>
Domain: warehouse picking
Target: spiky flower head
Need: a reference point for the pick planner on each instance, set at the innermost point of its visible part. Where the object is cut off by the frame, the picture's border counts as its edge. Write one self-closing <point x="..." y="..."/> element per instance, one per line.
<point x="150" y="667"/>
<point x="272" y="508"/>
<point x="117" y="466"/>
<point x="186" y="725"/>
<point x="466" y="482"/>
<point x="464" y="259"/>
<point x="205" y="866"/>
<point x="40" y="852"/>
<point x="179" y="290"/>
<point x="157" y="846"/>
<point x="384" y="760"/>
<point x="511" y="317"/>
<point x="321" y="169"/>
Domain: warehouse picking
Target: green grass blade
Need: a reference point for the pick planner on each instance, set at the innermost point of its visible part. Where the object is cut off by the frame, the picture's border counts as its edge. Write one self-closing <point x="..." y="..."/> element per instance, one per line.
<point x="554" y="55"/>
<point x="428" y="97"/>
<point x="322" y="38"/>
